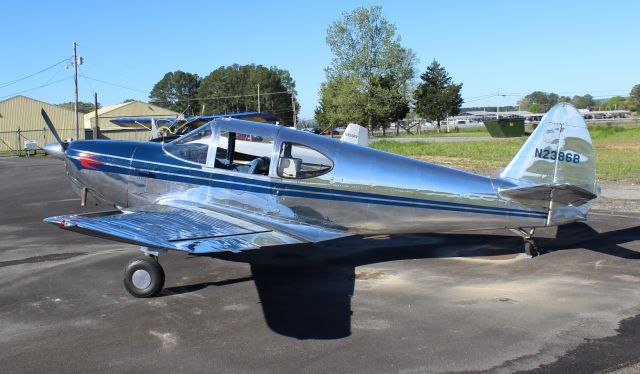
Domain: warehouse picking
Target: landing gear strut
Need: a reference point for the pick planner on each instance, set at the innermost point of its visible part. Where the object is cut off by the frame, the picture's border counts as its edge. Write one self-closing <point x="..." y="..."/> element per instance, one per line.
<point x="530" y="247"/>
<point x="143" y="276"/>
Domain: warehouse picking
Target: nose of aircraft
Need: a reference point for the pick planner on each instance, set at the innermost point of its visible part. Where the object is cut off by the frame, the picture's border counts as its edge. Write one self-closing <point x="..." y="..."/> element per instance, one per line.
<point x="54" y="150"/>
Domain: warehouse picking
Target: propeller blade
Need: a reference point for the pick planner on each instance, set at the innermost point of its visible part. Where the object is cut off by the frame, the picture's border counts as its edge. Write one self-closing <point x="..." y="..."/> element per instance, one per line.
<point x="47" y="120"/>
<point x="154" y="129"/>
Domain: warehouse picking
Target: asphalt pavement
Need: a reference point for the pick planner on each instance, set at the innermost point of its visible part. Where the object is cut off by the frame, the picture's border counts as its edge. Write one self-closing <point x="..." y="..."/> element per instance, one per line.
<point x="380" y="304"/>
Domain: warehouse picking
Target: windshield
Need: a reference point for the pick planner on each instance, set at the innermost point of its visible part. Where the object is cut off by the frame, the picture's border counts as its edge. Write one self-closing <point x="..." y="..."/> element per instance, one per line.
<point x="192" y="147"/>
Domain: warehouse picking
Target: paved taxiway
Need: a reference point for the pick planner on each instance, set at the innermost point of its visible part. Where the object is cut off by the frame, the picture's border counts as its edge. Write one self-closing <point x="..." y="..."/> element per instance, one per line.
<point x="420" y="303"/>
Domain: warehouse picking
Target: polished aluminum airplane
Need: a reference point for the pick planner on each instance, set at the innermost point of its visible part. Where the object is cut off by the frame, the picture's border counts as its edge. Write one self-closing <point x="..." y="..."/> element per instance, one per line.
<point x="201" y="194"/>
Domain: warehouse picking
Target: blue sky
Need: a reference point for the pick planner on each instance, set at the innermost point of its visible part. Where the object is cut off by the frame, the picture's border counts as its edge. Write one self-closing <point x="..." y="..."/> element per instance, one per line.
<point x="513" y="47"/>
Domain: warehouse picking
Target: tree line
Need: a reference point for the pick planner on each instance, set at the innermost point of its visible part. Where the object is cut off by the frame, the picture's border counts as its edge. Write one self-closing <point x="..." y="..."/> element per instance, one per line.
<point x="540" y="102"/>
<point x="83" y="107"/>
<point x="228" y="89"/>
<point x="370" y="80"/>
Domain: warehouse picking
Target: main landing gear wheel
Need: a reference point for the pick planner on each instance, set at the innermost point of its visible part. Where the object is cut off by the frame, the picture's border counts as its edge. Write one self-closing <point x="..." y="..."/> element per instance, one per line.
<point x="144" y="277"/>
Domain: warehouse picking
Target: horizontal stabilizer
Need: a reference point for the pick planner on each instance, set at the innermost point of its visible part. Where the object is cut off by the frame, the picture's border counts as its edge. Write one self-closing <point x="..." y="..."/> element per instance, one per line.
<point x="559" y="192"/>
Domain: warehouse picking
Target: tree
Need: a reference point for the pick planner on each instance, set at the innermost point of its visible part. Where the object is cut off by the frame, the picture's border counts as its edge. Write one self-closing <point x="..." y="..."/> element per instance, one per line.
<point x="177" y="91"/>
<point x="537" y="108"/>
<point x="83" y="107"/>
<point x="583" y="102"/>
<point x="234" y="88"/>
<point x="369" y="68"/>
<point x="634" y="98"/>
<point x="543" y="101"/>
<point x="341" y="102"/>
<point x="437" y="96"/>
<point x="616" y="103"/>
<point x="388" y="103"/>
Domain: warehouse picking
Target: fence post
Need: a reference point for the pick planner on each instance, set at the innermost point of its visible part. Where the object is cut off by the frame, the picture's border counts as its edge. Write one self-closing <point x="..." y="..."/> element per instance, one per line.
<point x="18" y="148"/>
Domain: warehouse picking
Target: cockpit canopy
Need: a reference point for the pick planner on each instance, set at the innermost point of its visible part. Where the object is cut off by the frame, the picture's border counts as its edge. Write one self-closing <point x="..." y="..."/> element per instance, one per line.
<point x="250" y="148"/>
<point x="192" y="147"/>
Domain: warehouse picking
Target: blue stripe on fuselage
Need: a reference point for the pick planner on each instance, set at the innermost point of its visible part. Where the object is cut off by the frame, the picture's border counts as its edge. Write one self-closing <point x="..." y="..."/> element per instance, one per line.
<point x="176" y="173"/>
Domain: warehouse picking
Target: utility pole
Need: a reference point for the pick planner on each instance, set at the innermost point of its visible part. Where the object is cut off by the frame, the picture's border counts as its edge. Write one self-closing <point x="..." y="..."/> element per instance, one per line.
<point x="76" y="61"/>
<point x="498" y="107"/>
<point x="259" y="97"/>
<point x="96" y="129"/>
<point x="75" y="82"/>
<point x="293" y="106"/>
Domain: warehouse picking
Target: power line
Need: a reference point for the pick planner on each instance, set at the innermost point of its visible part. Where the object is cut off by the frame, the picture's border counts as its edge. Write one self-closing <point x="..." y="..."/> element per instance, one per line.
<point x="55" y="74"/>
<point x="36" y="88"/>
<point x="5" y="84"/>
<point x="521" y="94"/>
<point x="236" y="96"/>
<point x="188" y="99"/>
<point x="113" y="84"/>
<point x="89" y="83"/>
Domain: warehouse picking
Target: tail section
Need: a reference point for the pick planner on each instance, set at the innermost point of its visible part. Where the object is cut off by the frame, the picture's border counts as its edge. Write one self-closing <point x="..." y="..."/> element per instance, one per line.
<point x="555" y="167"/>
<point x="356" y="134"/>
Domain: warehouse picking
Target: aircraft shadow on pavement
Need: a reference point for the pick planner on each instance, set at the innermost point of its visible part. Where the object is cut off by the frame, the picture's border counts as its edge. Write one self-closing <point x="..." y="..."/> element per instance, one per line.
<point x="176" y="290"/>
<point x="306" y="291"/>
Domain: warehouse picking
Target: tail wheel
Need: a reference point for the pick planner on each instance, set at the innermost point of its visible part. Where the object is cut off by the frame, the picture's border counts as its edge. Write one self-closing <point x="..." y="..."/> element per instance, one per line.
<point x="143" y="277"/>
<point x="530" y="248"/>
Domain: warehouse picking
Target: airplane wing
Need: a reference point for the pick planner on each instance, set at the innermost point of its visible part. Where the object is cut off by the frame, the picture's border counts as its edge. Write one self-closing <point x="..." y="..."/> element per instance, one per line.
<point x="192" y="230"/>
<point x="195" y="121"/>
<point x="144" y="121"/>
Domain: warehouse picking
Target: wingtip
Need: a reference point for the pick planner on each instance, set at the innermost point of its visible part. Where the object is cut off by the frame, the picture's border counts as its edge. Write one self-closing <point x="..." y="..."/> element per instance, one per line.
<point x="53" y="220"/>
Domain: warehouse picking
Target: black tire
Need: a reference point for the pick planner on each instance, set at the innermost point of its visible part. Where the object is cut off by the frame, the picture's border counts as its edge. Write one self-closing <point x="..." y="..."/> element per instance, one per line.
<point x="531" y="248"/>
<point x="148" y="282"/>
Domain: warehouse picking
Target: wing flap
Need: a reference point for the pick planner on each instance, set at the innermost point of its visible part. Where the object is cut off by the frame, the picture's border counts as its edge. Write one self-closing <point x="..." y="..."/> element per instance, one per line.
<point x="235" y="243"/>
<point x="561" y="193"/>
<point x="191" y="230"/>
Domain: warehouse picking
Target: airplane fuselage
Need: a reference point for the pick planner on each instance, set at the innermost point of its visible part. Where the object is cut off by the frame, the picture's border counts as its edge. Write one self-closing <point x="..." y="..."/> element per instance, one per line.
<point x="366" y="192"/>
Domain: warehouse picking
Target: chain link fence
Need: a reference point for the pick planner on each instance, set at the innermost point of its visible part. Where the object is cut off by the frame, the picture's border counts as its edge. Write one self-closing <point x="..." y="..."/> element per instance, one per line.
<point x="12" y="143"/>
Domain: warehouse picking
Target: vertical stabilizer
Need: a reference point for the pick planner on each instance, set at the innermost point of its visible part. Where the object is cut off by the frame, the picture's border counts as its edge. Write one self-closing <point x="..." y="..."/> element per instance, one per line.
<point x="557" y="158"/>
<point x="356" y="134"/>
<point x="559" y="151"/>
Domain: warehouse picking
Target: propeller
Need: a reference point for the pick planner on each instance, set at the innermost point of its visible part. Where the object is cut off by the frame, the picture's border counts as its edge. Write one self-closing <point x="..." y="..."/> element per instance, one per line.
<point x="47" y="120"/>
